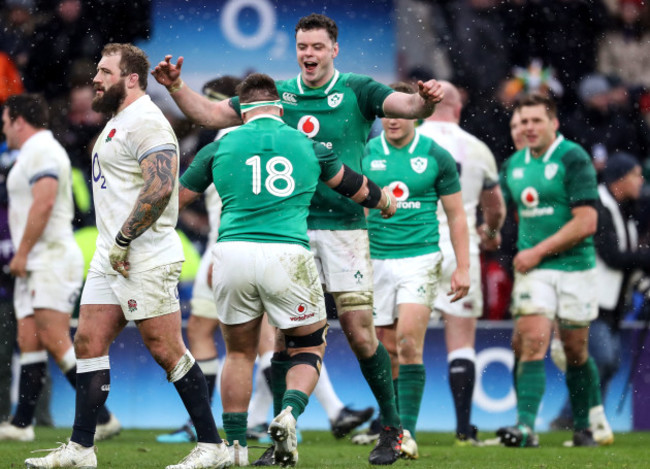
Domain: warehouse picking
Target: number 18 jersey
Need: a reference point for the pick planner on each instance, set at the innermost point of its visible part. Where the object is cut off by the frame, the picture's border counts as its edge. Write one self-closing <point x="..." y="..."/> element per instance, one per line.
<point x="266" y="174"/>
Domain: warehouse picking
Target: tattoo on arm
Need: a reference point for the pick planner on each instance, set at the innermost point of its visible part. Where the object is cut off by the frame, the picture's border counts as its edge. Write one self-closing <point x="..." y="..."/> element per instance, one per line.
<point x="159" y="174"/>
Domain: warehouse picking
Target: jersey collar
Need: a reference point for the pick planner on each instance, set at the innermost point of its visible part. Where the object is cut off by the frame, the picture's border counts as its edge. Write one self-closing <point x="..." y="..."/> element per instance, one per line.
<point x="266" y="116"/>
<point x="414" y="143"/>
<point x="549" y="152"/>
<point x="330" y="85"/>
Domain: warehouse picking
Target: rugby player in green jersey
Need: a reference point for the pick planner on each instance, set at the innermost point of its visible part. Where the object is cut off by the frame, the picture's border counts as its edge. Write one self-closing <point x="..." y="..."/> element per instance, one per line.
<point x="552" y="183"/>
<point x="406" y="255"/>
<point x="336" y="109"/>
<point x="266" y="173"/>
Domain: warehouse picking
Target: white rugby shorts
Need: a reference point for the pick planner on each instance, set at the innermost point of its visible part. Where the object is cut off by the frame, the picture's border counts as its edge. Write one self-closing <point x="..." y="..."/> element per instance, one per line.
<point x="406" y="280"/>
<point x="569" y="296"/>
<point x="471" y="306"/>
<point x="342" y="259"/>
<point x="143" y="295"/>
<point x="56" y="289"/>
<point x="250" y="278"/>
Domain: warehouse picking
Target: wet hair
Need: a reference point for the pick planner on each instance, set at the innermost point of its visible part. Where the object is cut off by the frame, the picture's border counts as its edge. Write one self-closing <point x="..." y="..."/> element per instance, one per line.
<point x="221" y="88"/>
<point x="257" y="87"/>
<point x="403" y="87"/>
<point x="132" y="60"/>
<point x="31" y="107"/>
<point x="536" y="99"/>
<point x="316" y="21"/>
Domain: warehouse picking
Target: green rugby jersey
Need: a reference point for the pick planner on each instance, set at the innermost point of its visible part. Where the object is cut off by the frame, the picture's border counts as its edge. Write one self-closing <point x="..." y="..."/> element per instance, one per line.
<point x="544" y="190"/>
<point x="339" y="114"/>
<point x="266" y="174"/>
<point x="417" y="174"/>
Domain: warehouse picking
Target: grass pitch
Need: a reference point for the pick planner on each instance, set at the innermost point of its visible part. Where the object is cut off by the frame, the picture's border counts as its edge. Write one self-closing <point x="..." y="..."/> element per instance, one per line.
<point x="138" y="449"/>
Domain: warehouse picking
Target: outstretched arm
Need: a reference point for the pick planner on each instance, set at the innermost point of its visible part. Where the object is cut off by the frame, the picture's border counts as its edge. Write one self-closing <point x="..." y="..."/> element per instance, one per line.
<point x="159" y="173"/>
<point x="363" y="191"/>
<point x="414" y="106"/>
<point x="216" y="115"/>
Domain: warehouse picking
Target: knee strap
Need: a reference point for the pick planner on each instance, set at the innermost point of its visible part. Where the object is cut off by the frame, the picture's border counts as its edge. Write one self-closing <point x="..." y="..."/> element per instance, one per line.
<point x="314" y="339"/>
<point x="353" y="301"/>
<point x="305" y="358"/>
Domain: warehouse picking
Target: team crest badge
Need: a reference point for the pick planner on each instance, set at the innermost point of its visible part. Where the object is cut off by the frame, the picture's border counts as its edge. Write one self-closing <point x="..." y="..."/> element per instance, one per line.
<point x="132" y="305"/>
<point x="334" y="99"/>
<point x="550" y="170"/>
<point x="419" y="164"/>
<point x="110" y="135"/>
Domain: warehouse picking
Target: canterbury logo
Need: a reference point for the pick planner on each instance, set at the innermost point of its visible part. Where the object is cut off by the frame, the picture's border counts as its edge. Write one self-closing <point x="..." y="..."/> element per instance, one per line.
<point x="289" y="98"/>
<point x="106" y="387"/>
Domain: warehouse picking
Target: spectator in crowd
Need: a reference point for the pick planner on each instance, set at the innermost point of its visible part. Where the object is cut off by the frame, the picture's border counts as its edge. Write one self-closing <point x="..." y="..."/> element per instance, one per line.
<point x="601" y="123"/>
<point x="61" y="46"/>
<point x="17" y="26"/>
<point x="624" y="50"/>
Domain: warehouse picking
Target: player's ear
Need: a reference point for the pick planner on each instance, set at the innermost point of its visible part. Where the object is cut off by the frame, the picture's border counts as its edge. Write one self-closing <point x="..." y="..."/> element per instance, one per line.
<point x="335" y="50"/>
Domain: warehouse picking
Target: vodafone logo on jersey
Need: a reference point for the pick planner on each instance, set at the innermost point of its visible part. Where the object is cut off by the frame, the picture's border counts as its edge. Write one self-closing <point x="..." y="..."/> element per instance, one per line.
<point x="399" y="190"/>
<point x="309" y="125"/>
<point x="530" y="197"/>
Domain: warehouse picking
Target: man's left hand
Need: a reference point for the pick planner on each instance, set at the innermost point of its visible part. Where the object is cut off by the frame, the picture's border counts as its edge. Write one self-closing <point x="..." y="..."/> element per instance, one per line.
<point x="118" y="257"/>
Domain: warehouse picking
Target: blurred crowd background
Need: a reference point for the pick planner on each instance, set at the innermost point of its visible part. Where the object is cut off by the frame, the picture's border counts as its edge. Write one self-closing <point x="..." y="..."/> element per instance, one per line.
<point x="592" y="55"/>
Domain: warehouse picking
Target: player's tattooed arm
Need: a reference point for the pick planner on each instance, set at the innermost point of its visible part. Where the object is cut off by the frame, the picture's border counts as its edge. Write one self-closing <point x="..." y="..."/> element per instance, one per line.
<point x="159" y="174"/>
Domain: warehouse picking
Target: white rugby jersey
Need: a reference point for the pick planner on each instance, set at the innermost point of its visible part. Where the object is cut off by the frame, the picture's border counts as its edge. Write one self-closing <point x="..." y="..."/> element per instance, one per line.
<point x="477" y="168"/>
<point x="134" y="133"/>
<point x="42" y="156"/>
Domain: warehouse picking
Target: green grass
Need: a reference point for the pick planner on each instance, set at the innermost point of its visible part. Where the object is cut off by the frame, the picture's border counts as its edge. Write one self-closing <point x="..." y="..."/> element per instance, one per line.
<point x="138" y="449"/>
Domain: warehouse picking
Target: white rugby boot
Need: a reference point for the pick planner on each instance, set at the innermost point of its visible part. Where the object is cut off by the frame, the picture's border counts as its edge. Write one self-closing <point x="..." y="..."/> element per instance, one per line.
<point x="9" y="432"/>
<point x="599" y="426"/>
<point x="68" y="455"/>
<point x="108" y="430"/>
<point x="409" y="448"/>
<point x="283" y="433"/>
<point x="205" y="456"/>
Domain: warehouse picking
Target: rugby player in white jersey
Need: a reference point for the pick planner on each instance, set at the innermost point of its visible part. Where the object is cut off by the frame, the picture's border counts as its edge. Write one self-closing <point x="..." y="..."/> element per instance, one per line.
<point x="134" y="272"/>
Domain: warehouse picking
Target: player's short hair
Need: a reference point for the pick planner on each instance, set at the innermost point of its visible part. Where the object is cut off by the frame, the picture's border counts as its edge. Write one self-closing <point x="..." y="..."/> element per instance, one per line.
<point x="403" y="87"/>
<point x="221" y="88"/>
<point x="316" y="21"/>
<point x="257" y="87"/>
<point x="31" y="107"/>
<point x="132" y="60"/>
<point x="537" y="99"/>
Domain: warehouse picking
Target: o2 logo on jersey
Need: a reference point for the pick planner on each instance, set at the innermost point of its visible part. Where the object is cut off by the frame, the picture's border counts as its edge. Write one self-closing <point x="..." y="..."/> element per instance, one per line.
<point x="309" y="125"/>
<point x="97" y="172"/>
<point x="400" y="190"/>
<point x="530" y="197"/>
